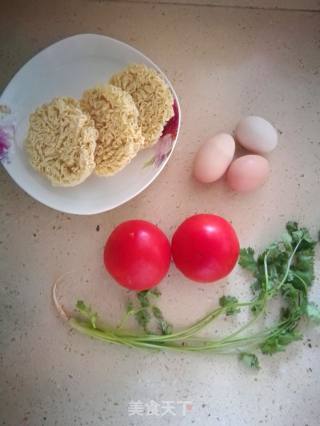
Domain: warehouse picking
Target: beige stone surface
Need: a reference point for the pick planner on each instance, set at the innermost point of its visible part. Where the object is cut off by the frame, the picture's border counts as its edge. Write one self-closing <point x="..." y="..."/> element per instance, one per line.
<point x="224" y="63"/>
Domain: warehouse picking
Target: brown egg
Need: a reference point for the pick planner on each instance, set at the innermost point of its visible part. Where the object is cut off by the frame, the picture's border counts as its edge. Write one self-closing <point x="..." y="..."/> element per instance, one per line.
<point x="213" y="158"/>
<point x="248" y="173"/>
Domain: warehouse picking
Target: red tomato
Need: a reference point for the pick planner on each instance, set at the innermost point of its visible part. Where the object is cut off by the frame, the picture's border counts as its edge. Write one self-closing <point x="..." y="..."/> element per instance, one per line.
<point x="205" y="248"/>
<point x="137" y="254"/>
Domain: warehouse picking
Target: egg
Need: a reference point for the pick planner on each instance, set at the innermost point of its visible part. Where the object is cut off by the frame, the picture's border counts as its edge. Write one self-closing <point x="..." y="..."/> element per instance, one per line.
<point x="213" y="158"/>
<point x="257" y="135"/>
<point x="248" y="173"/>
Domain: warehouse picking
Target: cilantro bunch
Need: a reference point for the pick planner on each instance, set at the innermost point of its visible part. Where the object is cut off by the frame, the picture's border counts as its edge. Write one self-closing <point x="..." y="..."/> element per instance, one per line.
<point x="284" y="270"/>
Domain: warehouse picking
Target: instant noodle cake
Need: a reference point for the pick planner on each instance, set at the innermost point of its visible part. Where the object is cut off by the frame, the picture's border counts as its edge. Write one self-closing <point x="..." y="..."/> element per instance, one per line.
<point x="61" y="141"/>
<point x="116" y="118"/>
<point x="152" y="97"/>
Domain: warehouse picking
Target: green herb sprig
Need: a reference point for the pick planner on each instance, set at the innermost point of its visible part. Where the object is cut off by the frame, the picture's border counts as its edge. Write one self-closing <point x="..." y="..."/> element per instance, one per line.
<point x="284" y="270"/>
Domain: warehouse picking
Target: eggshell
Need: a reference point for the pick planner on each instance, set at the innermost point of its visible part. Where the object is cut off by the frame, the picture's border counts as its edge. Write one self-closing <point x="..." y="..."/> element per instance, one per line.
<point x="214" y="157"/>
<point x="248" y="173"/>
<point x="257" y="135"/>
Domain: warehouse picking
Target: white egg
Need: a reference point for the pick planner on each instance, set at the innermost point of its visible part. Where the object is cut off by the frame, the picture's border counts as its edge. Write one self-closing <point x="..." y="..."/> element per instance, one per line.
<point x="248" y="173"/>
<point x="213" y="158"/>
<point x="257" y="135"/>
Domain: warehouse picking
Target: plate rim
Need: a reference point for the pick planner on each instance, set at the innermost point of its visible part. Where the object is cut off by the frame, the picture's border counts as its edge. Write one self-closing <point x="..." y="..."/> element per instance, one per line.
<point x="94" y="211"/>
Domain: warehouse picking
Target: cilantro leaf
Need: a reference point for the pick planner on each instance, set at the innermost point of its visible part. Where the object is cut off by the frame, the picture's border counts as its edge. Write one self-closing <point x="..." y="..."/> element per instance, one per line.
<point x="87" y="312"/>
<point x="157" y="312"/>
<point x="286" y="238"/>
<point x="297" y="233"/>
<point x="129" y="306"/>
<point x="144" y="314"/>
<point x="230" y="303"/>
<point x="250" y="360"/>
<point x="155" y="292"/>
<point x="165" y="327"/>
<point x="303" y="266"/>
<point x="247" y="260"/>
<point x="313" y="312"/>
<point x="279" y="342"/>
<point x="143" y="317"/>
<point x="143" y="298"/>
<point x="258" y="304"/>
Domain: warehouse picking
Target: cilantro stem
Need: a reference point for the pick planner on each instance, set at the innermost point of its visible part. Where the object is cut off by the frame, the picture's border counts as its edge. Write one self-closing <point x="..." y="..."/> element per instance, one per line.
<point x="197" y="326"/>
<point x="265" y="299"/>
<point x="289" y="263"/>
<point x="302" y="281"/>
<point x="266" y="273"/>
<point x="146" y="342"/>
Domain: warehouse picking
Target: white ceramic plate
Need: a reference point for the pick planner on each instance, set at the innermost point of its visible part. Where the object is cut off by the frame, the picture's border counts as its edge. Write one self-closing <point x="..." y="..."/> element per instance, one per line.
<point x="67" y="68"/>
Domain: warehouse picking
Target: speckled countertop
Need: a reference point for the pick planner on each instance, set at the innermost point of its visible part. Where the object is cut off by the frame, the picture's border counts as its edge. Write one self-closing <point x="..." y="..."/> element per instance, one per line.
<point x="224" y="62"/>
